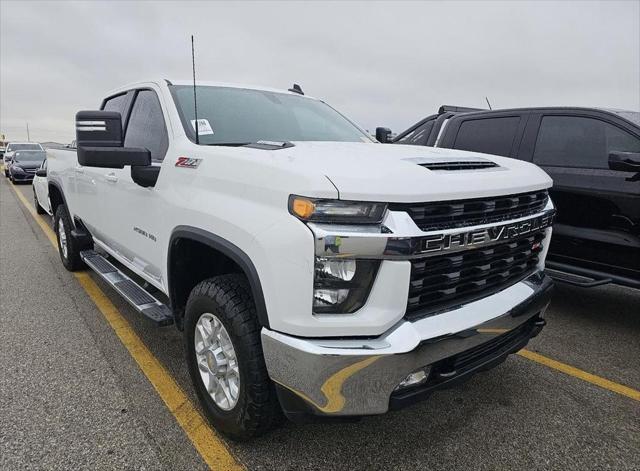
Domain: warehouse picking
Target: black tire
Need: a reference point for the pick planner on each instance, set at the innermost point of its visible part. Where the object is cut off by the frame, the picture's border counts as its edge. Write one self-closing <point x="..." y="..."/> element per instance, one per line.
<point x="71" y="260"/>
<point x="39" y="209"/>
<point x="229" y="298"/>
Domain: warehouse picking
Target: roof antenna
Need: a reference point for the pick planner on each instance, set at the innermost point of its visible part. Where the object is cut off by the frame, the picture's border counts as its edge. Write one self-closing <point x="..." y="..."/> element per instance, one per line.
<point x="195" y="101"/>
<point x="296" y="89"/>
<point x="488" y="103"/>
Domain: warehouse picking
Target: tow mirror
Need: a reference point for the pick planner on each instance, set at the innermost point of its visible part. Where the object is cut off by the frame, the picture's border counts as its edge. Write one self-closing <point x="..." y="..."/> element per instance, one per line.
<point x="99" y="142"/>
<point x="383" y="135"/>
<point x="41" y="172"/>
<point x="626" y="162"/>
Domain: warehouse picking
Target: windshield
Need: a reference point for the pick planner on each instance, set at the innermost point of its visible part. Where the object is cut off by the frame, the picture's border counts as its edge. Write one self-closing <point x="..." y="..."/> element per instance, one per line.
<point x="29" y="156"/>
<point x="242" y="116"/>
<point x="14" y="147"/>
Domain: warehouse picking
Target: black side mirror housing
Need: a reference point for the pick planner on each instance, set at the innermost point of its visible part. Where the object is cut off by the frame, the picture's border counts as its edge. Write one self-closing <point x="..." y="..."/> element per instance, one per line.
<point x="41" y="172"/>
<point x="383" y="134"/>
<point x="626" y="162"/>
<point x="100" y="144"/>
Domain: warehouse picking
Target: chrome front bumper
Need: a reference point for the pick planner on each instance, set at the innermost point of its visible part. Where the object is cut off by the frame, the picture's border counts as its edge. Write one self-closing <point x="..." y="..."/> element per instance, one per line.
<point x="352" y="377"/>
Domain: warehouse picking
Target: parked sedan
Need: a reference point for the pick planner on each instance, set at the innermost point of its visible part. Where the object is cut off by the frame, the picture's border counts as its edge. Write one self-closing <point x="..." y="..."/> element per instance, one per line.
<point x="41" y="190"/>
<point x="24" y="163"/>
<point x="13" y="147"/>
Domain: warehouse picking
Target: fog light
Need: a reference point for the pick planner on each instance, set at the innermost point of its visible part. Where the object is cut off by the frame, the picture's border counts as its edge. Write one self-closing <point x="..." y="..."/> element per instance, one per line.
<point x="415" y="378"/>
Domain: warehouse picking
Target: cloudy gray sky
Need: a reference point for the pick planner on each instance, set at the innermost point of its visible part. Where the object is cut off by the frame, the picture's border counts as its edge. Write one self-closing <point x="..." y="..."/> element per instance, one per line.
<point x="380" y="63"/>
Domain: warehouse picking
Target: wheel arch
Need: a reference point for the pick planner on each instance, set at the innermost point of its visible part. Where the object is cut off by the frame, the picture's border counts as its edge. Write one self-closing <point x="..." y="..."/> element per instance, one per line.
<point x="227" y="250"/>
<point x="56" y="195"/>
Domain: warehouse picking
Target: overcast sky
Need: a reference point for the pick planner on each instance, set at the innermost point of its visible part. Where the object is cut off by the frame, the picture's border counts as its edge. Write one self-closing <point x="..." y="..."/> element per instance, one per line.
<point x="379" y="63"/>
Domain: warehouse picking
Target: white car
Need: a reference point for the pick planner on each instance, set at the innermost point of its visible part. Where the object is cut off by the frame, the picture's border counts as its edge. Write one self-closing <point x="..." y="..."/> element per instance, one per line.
<point x="41" y="190"/>
<point x="11" y="149"/>
<point x="311" y="269"/>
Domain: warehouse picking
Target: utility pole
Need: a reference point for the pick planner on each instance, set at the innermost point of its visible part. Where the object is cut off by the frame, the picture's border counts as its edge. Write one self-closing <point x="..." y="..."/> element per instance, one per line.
<point x="28" y="138"/>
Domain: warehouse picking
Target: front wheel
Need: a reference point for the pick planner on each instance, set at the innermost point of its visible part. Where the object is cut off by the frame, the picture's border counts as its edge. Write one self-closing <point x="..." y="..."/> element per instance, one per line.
<point x="226" y="363"/>
<point x="68" y="247"/>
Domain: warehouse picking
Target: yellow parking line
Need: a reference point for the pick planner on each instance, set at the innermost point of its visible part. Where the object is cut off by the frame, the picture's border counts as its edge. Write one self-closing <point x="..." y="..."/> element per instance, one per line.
<point x="210" y="446"/>
<point x="580" y="374"/>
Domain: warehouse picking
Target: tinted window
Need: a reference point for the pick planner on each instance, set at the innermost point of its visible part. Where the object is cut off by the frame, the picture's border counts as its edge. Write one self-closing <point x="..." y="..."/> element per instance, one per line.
<point x="419" y="135"/>
<point x="146" y="126"/>
<point x="572" y="141"/>
<point x="491" y="135"/>
<point x="116" y="103"/>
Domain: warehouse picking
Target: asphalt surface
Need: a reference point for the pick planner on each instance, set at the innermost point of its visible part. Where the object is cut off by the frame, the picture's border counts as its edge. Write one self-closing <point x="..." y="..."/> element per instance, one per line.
<point x="72" y="397"/>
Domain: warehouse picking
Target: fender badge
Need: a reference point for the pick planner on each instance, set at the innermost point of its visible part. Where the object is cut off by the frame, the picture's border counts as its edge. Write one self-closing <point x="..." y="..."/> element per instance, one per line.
<point x="187" y="162"/>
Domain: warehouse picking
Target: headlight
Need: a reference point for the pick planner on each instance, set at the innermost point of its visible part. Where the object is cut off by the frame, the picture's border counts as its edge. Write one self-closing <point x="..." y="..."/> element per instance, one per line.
<point x="336" y="211"/>
<point x="341" y="286"/>
<point x="15" y="168"/>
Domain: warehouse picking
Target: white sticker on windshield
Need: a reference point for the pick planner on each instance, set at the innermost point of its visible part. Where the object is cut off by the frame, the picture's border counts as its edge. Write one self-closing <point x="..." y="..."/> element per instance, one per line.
<point x="204" y="127"/>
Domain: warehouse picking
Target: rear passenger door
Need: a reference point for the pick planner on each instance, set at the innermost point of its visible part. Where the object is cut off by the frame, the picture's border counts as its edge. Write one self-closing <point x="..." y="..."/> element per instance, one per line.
<point x="496" y="133"/>
<point x="598" y="221"/>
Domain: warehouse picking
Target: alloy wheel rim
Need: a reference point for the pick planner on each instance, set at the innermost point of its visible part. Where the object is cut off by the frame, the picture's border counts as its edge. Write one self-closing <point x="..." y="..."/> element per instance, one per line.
<point x="217" y="361"/>
<point x="62" y="237"/>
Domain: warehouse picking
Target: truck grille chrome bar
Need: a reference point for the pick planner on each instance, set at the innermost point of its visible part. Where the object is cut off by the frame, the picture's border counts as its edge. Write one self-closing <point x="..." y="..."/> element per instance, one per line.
<point x="462" y="213"/>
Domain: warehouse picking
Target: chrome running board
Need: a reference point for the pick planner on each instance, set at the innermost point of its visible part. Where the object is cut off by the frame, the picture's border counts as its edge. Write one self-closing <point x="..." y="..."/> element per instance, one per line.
<point x="141" y="300"/>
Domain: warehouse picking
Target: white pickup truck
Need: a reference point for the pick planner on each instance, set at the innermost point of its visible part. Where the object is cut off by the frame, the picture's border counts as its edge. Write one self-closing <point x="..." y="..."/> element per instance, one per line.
<point x="313" y="271"/>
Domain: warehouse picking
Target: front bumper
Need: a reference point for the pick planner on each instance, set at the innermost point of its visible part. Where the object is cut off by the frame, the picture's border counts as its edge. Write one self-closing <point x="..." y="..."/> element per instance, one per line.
<point x="22" y="177"/>
<point x="352" y="377"/>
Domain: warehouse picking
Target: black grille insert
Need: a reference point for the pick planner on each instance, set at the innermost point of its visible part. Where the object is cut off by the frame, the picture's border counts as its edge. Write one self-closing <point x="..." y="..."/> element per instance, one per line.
<point x="462" y="213"/>
<point x="445" y="281"/>
<point x="460" y="165"/>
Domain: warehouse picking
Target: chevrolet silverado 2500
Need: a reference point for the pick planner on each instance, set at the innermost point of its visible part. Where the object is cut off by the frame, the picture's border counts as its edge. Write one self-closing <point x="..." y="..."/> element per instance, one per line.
<point x="312" y="270"/>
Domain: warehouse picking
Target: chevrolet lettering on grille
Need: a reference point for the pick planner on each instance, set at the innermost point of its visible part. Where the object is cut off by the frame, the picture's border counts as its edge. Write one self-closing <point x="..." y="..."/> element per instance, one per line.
<point x="478" y="237"/>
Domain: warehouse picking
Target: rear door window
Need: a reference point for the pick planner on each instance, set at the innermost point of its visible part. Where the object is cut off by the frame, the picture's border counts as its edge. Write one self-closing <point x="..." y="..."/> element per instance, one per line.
<point x="577" y="141"/>
<point x="490" y="135"/>
<point x="146" y="127"/>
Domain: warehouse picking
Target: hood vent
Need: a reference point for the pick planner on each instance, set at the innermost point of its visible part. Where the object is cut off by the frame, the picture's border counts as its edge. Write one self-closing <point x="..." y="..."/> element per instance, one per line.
<point x="460" y="165"/>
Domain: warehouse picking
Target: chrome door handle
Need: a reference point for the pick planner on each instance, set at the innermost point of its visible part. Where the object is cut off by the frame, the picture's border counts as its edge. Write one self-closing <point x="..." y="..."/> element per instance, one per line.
<point x="111" y="177"/>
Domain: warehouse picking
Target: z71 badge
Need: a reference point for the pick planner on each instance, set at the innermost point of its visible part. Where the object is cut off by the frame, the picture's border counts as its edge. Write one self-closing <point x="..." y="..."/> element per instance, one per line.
<point x="187" y="162"/>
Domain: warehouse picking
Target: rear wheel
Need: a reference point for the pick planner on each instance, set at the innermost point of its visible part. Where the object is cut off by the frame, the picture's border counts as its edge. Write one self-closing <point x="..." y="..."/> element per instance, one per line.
<point x="68" y="247"/>
<point x="39" y="209"/>
<point x="226" y="363"/>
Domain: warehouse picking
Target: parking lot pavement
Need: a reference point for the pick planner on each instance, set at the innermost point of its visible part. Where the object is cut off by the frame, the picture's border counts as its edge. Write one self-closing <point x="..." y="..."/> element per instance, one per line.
<point x="521" y="415"/>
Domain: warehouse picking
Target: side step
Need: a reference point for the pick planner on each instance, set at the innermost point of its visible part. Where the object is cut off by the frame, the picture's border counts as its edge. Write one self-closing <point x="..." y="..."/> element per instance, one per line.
<point x="140" y="299"/>
<point x="575" y="279"/>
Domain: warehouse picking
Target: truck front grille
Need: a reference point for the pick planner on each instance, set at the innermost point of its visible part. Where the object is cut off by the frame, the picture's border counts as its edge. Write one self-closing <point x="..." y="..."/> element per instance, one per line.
<point x="446" y="281"/>
<point x="462" y="213"/>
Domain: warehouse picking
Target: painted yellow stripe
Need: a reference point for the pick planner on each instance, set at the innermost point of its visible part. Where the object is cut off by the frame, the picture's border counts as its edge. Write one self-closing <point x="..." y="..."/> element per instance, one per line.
<point x="210" y="446"/>
<point x="583" y="375"/>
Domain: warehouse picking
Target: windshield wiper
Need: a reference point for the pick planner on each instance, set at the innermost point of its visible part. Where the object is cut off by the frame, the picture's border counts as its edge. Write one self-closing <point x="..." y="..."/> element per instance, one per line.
<point x="230" y="144"/>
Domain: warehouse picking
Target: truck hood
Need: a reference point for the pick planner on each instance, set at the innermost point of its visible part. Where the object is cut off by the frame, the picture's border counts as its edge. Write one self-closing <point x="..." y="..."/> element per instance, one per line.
<point x="395" y="173"/>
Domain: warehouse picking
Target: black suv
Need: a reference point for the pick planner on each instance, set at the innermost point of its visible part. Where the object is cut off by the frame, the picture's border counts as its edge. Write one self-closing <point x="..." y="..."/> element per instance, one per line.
<point x="593" y="156"/>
